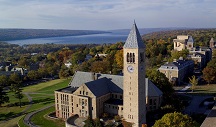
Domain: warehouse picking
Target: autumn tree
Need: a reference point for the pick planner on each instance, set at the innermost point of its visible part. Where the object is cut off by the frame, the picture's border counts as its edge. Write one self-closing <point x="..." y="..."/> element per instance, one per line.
<point x="193" y="81"/>
<point x="209" y="74"/>
<point x="100" y="67"/>
<point x="64" y="72"/>
<point x="175" y="120"/>
<point x="119" y="58"/>
<point x="33" y="75"/>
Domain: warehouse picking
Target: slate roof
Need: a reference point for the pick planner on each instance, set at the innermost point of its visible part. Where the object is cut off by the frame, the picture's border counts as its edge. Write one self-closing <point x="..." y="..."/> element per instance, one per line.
<point x="152" y="90"/>
<point x="176" y="65"/>
<point x="190" y="39"/>
<point x="134" y="39"/>
<point x="101" y="84"/>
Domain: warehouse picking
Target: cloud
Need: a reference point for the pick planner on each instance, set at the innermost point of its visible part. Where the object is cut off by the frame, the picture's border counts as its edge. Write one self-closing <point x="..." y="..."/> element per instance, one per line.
<point x="98" y="14"/>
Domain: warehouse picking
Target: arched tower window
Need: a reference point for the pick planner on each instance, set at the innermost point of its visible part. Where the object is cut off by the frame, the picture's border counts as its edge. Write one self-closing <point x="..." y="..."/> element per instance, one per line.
<point x="128" y="57"/>
<point x="133" y="58"/>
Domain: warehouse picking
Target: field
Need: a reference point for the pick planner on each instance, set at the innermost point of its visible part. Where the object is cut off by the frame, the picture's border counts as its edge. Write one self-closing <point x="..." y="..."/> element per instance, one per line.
<point x="42" y="95"/>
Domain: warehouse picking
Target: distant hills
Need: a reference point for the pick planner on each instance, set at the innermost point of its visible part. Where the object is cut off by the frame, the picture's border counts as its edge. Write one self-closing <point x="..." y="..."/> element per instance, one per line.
<point x="19" y="34"/>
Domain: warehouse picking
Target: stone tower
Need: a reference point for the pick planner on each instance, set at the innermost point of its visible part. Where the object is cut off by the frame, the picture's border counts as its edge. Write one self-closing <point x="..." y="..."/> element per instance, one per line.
<point x="190" y="43"/>
<point x="134" y="79"/>
<point x="212" y="43"/>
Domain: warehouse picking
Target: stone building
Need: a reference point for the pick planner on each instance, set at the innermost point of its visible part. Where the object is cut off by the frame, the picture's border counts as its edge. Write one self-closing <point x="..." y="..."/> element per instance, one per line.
<point x="212" y="43"/>
<point x="177" y="70"/>
<point x="183" y="42"/>
<point x="128" y="96"/>
<point x="200" y="55"/>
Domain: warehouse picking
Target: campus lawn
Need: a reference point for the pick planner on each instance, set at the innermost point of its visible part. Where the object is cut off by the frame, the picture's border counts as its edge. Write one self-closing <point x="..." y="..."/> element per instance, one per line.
<point x="8" y="111"/>
<point x="43" y="120"/>
<point x="42" y="95"/>
<point x="205" y="90"/>
<point x="11" y="123"/>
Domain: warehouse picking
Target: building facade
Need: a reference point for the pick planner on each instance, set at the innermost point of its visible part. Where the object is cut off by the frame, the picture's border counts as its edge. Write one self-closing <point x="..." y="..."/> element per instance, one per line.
<point x="183" y="42"/>
<point x="177" y="70"/>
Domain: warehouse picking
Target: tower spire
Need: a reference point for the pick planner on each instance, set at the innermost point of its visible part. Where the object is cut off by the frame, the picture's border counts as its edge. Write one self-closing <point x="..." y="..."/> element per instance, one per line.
<point x="134" y="39"/>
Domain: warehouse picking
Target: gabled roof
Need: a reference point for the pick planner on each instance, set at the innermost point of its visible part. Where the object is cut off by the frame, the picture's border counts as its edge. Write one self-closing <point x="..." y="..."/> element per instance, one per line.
<point x="99" y="87"/>
<point x="151" y="89"/>
<point x="101" y="84"/>
<point x="134" y="39"/>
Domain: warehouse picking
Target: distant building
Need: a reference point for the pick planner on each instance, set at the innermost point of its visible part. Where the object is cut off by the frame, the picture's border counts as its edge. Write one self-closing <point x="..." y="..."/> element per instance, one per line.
<point x="68" y="64"/>
<point x="199" y="60"/>
<point x="186" y="42"/>
<point x="183" y="42"/>
<point x="212" y="43"/>
<point x="100" y="55"/>
<point x="177" y="70"/>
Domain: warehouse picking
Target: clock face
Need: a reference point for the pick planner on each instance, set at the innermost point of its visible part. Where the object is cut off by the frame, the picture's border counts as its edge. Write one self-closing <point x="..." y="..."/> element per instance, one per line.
<point x="130" y="68"/>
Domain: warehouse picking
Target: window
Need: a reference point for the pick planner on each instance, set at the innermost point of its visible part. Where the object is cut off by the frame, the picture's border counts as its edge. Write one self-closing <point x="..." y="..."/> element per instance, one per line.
<point x="128" y="58"/>
<point x="131" y="57"/>
<point x="86" y="93"/>
<point x="80" y="92"/>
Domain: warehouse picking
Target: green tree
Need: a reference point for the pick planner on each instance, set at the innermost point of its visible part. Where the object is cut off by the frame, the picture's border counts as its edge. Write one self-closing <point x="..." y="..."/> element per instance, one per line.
<point x="64" y="72"/>
<point x="15" y="79"/>
<point x="33" y="75"/>
<point x="193" y="81"/>
<point x="3" y="80"/>
<point x="3" y="96"/>
<point x="175" y="120"/>
<point x="160" y="80"/>
<point x="16" y="88"/>
<point x="98" y="123"/>
<point x="89" y="122"/>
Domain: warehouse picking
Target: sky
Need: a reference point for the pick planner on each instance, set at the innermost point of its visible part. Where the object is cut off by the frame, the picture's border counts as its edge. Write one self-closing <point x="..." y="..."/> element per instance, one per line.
<point x="107" y="14"/>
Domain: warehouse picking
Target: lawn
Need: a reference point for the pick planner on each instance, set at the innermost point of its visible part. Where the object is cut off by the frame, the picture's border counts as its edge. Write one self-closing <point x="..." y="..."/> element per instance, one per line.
<point x="8" y="111"/>
<point x="43" y="120"/>
<point x="205" y="90"/>
<point x="43" y="95"/>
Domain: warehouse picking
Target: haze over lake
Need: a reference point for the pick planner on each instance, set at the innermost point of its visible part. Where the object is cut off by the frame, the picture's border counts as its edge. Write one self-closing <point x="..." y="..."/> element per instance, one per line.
<point x="82" y="39"/>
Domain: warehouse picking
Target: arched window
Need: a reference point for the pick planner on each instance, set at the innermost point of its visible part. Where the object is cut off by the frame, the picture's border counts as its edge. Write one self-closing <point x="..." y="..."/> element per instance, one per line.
<point x="133" y="58"/>
<point x="128" y="57"/>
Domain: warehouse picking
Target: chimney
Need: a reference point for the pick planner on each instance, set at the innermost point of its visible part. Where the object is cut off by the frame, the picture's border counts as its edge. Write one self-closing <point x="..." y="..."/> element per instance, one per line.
<point x="174" y="60"/>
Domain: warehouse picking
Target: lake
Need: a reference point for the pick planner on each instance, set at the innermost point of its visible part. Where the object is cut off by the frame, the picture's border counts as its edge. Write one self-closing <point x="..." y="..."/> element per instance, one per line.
<point x="82" y="39"/>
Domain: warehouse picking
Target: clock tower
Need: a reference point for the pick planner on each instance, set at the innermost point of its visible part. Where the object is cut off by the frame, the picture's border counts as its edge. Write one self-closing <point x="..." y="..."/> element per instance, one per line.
<point x="134" y="100"/>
